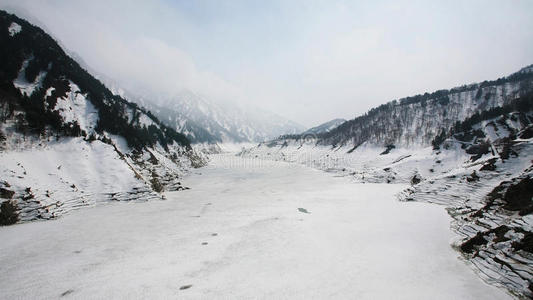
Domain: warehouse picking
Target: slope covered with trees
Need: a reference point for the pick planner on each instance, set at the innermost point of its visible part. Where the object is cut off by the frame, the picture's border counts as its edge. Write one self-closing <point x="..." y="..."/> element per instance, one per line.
<point x="415" y="121"/>
<point x="47" y="63"/>
<point x="66" y="141"/>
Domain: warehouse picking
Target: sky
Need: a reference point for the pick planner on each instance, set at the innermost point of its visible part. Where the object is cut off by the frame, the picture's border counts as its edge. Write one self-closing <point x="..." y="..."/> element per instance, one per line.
<point x="309" y="61"/>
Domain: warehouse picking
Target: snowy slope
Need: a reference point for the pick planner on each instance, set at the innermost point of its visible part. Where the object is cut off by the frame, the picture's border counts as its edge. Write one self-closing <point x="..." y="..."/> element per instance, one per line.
<point x="325" y="127"/>
<point x="480" y="170"/>
<point x="67" y="142"/>
<point x="415" y="121"/>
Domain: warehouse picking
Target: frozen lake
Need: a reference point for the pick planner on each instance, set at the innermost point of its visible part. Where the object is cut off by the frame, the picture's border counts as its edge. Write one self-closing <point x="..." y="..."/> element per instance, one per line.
<point x="244" y="230"/>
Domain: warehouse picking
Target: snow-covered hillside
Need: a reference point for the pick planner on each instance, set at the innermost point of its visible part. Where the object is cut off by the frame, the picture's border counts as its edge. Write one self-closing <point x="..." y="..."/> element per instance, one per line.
<point x="67" y="142"/>
<point x="480" y="170"/>
<point x="415" y="121"/>
<point x="203" y="120"/>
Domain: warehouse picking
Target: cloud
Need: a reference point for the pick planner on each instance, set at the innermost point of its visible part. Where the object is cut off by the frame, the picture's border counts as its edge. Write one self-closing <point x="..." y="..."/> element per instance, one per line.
<point x="311" y="61"/>
<point x="137" y="61"/>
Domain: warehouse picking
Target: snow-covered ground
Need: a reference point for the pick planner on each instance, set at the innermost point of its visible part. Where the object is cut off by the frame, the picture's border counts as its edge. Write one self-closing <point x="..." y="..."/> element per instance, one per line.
<point x="246" y="229"/>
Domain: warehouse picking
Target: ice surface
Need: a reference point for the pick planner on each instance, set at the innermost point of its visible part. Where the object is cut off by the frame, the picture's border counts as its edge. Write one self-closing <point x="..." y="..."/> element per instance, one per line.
<point x="238" y="233"/>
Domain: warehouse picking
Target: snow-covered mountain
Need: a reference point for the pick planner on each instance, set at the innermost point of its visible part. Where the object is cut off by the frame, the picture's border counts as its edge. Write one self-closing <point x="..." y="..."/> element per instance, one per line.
<point x="415" y="121"/>
<point x="469" y="149"/>
<point x="325" y="127"/>
<point x="66" y="141"/>
<point x="203" y="120"/>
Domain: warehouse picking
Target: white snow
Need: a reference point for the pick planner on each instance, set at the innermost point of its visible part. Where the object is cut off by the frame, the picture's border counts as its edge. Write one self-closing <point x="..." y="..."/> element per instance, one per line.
<point x="357" y="242"/>
<point x="146" y="121"/>
<point x="25" y="87"/>
<point x="76" y="107"/>
<point x="14" y="28"/>
<point x="72" y="172"/>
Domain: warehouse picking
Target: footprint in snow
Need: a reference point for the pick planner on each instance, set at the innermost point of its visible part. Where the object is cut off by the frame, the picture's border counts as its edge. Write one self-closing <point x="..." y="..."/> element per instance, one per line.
<point x="303" y="210"/>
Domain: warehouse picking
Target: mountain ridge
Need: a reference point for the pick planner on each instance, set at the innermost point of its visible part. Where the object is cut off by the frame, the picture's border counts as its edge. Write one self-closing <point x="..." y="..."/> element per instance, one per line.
<point x="67" y="142"/>
<point x="203" y="120"/>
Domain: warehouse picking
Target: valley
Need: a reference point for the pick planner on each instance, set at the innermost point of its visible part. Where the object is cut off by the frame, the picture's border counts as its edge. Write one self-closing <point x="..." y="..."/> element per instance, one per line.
<point x="168" y="181"/>
<point x="246" y="228"/>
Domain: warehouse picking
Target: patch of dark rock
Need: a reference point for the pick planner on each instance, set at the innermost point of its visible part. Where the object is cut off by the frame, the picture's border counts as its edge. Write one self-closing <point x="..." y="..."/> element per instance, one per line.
<point x="184" y="287"/>
<point x="156" y="185"/>
<point x="525" y="244"/>
<point x="527" y="133"/>
<point x="416" y="179"/>
<point x="473" y="177"/>
<point x="438" y="161"/>
<point x="67" y="292"/>
<point x="6" y="194"/>
<point x="489" y="165"/>
<point x="303" y="210"/>
<point x="470" y="245"/>
<point x="386" y="169"/>
<point x="8" y="213"/>
<point x="497" y="192"/>
<point x="388" y="149"/>
<point x="500" y="232"/>
<point x="518" y="196"/>
<point x="526" y="211"/>
<point x="153" y="160"/>
<point x="204" y="243"/>
<point x="478" y="150"/>
<point x="477" y="214"/>
<point x="507" y="148"/>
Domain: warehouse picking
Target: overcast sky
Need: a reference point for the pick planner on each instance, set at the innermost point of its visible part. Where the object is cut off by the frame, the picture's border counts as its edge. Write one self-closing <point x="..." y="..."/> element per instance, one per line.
<point x="310" y="61"/>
